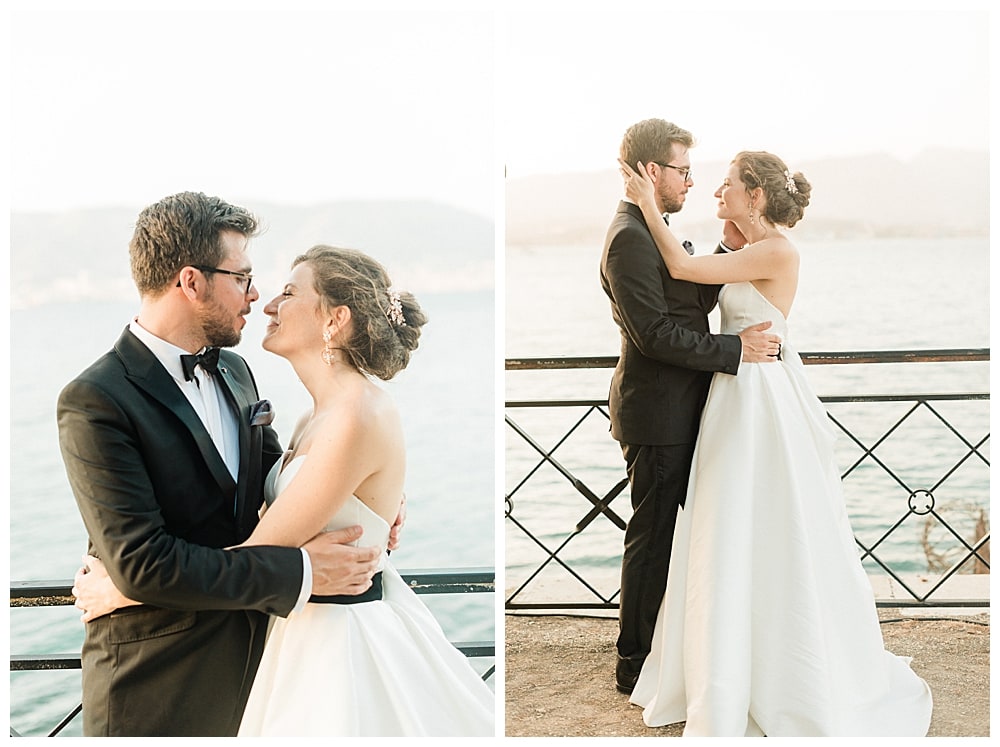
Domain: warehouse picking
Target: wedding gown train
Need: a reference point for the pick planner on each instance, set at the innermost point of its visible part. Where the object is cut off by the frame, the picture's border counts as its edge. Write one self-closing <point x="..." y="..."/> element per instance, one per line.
<point x="768" y="623"/>
<point x="379" y="668"/>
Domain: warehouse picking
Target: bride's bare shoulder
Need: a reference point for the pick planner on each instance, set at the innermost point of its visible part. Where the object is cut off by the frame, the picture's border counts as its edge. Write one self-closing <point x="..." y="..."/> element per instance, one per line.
<point x="368" y="410"/>
<point x="776" y="246"/>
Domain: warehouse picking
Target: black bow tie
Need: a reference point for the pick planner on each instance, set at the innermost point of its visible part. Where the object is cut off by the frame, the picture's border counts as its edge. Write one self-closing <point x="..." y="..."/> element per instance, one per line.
<point x="209" y="361"/>
<point x="688" y="246"/>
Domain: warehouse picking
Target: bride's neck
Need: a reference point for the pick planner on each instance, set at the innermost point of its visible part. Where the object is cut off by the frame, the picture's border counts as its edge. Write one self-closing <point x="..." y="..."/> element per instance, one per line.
<point x="757" y="231"/>
<point x="326" y="383"/>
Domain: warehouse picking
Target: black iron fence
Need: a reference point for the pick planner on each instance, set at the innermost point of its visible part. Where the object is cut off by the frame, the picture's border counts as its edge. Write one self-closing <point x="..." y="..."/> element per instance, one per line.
<point x="59" y="594"/>
<point x="929" y="451"/>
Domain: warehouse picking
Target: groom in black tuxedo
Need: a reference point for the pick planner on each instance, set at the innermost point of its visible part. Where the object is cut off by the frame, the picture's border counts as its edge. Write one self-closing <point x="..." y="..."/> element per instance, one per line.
<point x="166" y="454"/>
<point x="661" y="381"/>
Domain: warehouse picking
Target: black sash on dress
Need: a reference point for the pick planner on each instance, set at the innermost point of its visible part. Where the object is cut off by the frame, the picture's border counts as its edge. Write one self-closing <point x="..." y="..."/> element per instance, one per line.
<point x="373" y="594"/>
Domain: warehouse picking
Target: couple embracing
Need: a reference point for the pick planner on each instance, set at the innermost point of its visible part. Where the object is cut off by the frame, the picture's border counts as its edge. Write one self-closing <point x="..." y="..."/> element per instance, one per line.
<point x="765" y="623"/>
<point x="233" y="586"/>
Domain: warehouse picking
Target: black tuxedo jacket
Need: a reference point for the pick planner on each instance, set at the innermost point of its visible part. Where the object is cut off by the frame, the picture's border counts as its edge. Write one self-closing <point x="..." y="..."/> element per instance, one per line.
<point x="157" y="500"/>
<point x="667" y="353"/>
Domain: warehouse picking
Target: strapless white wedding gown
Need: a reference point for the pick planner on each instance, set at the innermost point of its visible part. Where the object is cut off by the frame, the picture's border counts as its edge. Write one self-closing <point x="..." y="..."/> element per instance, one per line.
<point x="379" y="668"/>
<point x="768" y="623"/>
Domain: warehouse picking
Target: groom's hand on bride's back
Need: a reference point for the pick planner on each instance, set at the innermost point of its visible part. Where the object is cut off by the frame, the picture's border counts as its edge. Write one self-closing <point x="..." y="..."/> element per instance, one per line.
<point x="397" y="526"/>
<point x="337" y="566"/>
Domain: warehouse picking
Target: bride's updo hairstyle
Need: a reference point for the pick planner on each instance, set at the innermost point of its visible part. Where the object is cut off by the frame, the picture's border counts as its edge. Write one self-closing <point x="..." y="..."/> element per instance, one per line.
<point x="787" y="193"/>
<point x="385" y="324"/>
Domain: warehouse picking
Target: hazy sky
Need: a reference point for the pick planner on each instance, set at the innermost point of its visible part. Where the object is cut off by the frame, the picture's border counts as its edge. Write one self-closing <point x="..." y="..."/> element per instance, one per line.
<point x="115" y="106"/>
<point x="800" y="83"/>
<point x="124" y="107"/>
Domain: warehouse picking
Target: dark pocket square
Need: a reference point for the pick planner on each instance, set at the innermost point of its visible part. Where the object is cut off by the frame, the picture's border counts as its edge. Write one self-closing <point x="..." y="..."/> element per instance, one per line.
<point x="261" y="413"/>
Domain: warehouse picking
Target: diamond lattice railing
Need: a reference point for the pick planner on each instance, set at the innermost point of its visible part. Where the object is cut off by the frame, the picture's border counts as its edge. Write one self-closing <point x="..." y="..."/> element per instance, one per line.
<point x="593" y="504"/>
<point x="921" y="498"/>
<point x="567" y="498"/>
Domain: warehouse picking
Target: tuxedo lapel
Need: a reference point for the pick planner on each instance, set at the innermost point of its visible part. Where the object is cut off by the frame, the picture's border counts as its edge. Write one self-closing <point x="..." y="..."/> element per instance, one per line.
<point x="143" y="370"/>
<point x="236" y="396"/>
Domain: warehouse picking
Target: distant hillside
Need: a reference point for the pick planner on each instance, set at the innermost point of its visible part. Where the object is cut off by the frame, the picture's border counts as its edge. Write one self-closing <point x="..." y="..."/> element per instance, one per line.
<point x="83" y="254"/>
<point x="938" y="193"/>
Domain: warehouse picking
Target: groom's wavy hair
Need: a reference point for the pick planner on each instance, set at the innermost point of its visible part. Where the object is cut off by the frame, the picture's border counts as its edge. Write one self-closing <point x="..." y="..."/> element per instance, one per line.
<point x="375" y="345"/>
<point x="181" y="230"/>
<point x="653" y="140"/>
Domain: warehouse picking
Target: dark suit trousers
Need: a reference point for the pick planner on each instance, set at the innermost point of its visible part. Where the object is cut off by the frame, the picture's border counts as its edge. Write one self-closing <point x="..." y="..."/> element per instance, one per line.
<point x="658" y="476"/>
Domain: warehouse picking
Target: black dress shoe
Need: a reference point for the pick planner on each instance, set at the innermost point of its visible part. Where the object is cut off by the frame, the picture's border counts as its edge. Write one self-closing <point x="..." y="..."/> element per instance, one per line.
<point x="626" y="674"/>
<point x="626" y="687"/>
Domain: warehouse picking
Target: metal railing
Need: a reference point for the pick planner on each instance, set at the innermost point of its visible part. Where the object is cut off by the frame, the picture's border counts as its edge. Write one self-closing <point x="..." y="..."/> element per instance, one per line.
<point x="554" y="546"/>
<point x="59" y="594"/>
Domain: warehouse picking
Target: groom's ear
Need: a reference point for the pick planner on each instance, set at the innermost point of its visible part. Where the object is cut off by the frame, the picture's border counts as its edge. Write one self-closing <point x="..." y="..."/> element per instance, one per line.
<point x="189" y="281"/>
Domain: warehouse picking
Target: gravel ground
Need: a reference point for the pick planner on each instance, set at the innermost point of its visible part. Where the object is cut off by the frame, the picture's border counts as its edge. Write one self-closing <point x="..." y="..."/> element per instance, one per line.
<point x="559" y="675"/>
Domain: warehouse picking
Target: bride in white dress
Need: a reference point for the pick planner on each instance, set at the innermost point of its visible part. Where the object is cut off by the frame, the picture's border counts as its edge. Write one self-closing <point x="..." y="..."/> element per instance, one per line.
<point x="339" y="667"/>
<point x="768" y="624"/>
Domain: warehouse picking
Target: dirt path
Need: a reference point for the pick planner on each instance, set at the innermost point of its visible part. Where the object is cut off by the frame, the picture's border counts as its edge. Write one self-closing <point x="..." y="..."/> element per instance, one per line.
<point x="559" y="675"/>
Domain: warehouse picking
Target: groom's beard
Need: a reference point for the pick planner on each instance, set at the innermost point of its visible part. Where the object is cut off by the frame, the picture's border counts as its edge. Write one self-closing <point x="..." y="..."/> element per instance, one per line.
<point x="218" y="324"/>
<point x="670" y="201"/>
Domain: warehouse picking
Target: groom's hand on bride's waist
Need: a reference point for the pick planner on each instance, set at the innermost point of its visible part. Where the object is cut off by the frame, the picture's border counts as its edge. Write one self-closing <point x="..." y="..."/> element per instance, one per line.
<point x="760" y="346"/>
<point x="338" y="567"/>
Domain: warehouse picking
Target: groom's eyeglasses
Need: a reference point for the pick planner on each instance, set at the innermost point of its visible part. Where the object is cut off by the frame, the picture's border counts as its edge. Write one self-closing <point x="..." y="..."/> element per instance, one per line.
<point x="241" y="275"/>
<point x="684" y="171"/>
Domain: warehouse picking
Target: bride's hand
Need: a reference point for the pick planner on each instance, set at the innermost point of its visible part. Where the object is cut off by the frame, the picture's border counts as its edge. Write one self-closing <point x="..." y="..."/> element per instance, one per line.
<point x="95" y="592"/>
<point x="638" y="184"/>
<point x="732" y="236"/>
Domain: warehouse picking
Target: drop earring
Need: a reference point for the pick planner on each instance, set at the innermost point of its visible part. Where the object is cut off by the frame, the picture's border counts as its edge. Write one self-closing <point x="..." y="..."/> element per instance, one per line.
<point x="328" y="347"/>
